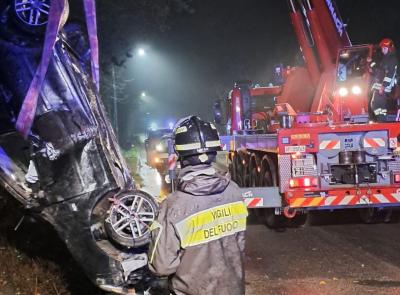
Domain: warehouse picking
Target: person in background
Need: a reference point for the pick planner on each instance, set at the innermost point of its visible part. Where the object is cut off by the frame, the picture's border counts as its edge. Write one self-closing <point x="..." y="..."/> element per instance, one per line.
<point x="277" y="76"/>
<point x="385" y="74"/>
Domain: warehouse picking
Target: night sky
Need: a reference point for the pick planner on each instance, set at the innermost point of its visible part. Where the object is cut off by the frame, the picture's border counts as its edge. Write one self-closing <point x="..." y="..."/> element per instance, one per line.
<point x="194" y="55"/>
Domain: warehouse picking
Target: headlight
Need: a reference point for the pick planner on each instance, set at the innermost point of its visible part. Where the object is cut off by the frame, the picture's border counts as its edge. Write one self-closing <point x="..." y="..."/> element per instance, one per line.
<point x="343" y="91"/>
<point x="159" y="147"/>
<point x="356" y="90"/>
<point x="158" y="179"/>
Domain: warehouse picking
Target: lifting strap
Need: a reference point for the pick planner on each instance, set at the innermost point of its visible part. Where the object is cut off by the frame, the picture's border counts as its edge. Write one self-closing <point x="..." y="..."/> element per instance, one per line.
<point x="90" y="12"/>
<point x="28" y="109"/>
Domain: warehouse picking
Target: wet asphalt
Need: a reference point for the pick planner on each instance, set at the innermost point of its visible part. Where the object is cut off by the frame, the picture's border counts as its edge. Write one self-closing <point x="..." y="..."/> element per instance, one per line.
<point x="334" y="253"/>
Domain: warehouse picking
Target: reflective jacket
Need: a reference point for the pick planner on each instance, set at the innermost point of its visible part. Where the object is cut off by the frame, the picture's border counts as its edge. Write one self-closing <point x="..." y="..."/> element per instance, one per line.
<point x="389" y="66"/>
<point x="386" y="74"/>
<point x="199" y="235"/>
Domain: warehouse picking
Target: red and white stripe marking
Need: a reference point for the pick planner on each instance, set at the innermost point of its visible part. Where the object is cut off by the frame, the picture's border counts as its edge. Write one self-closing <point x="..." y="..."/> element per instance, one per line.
<point x="349" y="200"/>
<point x="329" y="145"/>
<point x="374" y="142"/>
<point x="254" y="202"/>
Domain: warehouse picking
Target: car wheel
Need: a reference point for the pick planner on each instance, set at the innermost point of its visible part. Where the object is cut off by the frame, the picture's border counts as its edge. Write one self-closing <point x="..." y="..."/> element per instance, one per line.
<point x="129" y="218"/>
<point x="31" y="16"/>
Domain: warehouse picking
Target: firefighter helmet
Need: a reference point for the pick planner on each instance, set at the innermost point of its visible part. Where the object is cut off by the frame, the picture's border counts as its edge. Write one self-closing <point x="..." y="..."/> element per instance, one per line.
<point x="386" y="42"/>
<point x="193" y="136"/>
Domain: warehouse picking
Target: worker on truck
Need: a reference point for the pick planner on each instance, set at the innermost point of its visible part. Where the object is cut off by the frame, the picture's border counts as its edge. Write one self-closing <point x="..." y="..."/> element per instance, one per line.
<point x="277" y="78"/>
<point x="198" y="238"/>
<point x="385" y="80"/>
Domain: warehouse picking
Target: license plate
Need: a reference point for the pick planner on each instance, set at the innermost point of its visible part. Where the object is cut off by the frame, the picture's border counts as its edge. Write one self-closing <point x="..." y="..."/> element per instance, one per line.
<point x="302" y="162"/>
<point x="295" y="149"/>
<point x="348" y="143"/>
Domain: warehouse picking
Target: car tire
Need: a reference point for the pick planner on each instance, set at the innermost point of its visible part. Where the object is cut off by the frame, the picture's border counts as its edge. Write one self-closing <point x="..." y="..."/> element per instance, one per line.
<point x="31" y="16"/>
<point x="129" y="218"/>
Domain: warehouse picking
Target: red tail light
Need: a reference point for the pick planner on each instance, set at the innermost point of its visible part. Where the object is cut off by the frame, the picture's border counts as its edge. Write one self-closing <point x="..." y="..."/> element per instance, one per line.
<point x="397" y="178"/>
<point x="303" y="182"/>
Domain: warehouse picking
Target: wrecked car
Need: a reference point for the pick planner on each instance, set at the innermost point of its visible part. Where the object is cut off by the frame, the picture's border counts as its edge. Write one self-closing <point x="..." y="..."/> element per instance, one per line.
<point x="58" y="154"/>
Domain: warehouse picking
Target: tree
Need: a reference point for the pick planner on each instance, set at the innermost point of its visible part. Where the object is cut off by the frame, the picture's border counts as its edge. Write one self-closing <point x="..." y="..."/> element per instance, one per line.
<point x="121" y="24"/>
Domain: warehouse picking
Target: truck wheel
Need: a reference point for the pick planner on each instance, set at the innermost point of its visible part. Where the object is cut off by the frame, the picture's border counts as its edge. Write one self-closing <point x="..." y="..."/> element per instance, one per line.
<point x="253" y="171"/>
<point x="253" y="177"/>
<point x="231" y="168"/>
<point x="238" y="171"/>
<point x="246" y="175"/>
<point x="273" y="221"/>
<point x="299" y="220"/>
<point x="268" y="172"/>
<point x="369" y="215"/>
<point x="374" y="215"/>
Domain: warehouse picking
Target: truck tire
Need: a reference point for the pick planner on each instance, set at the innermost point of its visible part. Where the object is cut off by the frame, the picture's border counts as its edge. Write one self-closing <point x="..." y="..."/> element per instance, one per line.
<point x="253" y="171"/>
<point x="374" y="215"/>
<point x="299" y="220"/>
<point x="237" y="167"/>
<point x="273" y="221"/>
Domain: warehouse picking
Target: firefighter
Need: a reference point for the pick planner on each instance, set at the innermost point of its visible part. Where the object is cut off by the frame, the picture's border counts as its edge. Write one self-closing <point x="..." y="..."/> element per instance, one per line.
<point x="385" y="77"/>
<point x="278" y="76"/>
<point x="198" y="238"/>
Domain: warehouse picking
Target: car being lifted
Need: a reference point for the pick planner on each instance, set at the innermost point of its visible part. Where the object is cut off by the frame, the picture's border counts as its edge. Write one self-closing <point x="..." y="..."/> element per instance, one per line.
<point x="66" y="168"/>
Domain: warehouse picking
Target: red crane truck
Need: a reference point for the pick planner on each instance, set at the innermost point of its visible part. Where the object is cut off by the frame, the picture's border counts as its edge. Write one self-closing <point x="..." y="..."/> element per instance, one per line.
<point x="310" y="143"/>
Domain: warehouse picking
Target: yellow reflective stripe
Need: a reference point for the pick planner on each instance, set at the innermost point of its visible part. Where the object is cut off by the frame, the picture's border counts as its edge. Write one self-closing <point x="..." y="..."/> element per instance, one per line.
<point x="155" y="225"/>
<point x="188" y="146"/>
<point x="212" y="224"/>
<point x="213" y="143"/>
<point x="297" y="202"/>
<point x="315" y="202"/>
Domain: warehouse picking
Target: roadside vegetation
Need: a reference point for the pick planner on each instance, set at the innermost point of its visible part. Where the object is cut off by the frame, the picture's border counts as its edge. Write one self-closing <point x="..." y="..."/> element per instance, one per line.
<point x="132" y="160"/>
<point x="33" y="260"/>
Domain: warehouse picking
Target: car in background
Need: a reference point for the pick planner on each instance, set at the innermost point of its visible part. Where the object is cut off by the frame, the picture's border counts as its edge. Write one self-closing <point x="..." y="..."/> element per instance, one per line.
<point x="157" y="149"/>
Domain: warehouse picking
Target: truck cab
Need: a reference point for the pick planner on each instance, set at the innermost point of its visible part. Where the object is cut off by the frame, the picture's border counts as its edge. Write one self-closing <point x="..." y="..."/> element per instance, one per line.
<point x="352" y="89"/>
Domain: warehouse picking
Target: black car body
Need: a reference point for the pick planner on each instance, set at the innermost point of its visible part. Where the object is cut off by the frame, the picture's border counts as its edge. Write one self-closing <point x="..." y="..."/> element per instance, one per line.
<point x="83" y="187"/>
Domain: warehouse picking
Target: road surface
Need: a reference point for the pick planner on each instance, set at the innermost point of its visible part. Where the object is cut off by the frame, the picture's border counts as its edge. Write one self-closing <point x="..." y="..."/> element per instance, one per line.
<point x="336" y="255"/>
<point x="349" y="258"/>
